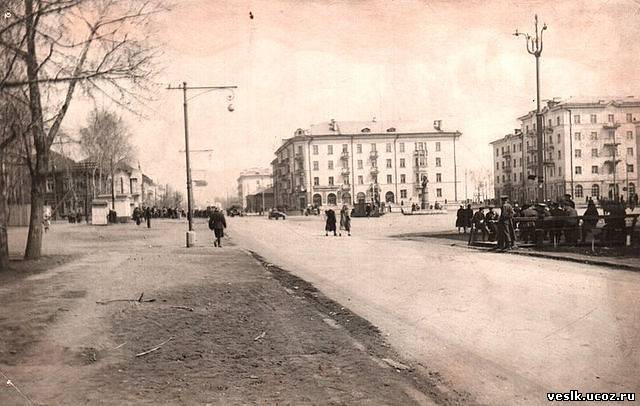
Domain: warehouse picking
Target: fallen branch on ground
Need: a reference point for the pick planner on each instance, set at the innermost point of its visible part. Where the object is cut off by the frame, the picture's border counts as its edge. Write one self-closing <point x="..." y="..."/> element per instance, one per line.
<point x="156" y="348"/>
<point x="182" y="307"/>
<point x="261" y="336"/>
<point x="138" y="300"/>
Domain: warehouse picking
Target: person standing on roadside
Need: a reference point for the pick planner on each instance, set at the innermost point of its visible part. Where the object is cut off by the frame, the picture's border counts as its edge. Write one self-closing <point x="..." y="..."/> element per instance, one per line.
<point x="217" y="223"/>
<point x="505" y="224"/>
<point x="345" y="220"/>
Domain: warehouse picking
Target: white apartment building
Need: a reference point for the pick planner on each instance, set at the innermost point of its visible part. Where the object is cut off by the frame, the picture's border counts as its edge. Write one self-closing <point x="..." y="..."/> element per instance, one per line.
<point x="590" y="150"/>
<point x="336" y="163"/>
<point x="251" y="181"/>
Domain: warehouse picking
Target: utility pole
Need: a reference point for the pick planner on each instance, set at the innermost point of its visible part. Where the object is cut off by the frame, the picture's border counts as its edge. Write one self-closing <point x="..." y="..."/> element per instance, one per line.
<point x="534" y="47"/>
<point x="465" y="186"/>
<point x="191" y="236"/>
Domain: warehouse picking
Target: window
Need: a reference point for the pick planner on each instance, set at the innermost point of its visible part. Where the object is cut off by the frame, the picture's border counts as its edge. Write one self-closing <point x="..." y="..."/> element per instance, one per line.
<point x="559" y="170"/>
<point x="497" y="165"/>
<point x="594" y="135"/>
<point x="330" y="180"/>
<point x="558" y="138"/>
<point x="359" y="163"/>
<point x="388" y="147"/>
<point x="497" y="152"/>
<point x="559" y="154"/>
<point x="438" y="162"/>
<point x="402" y="147"/>
<point x="359" y="148"/>
<point x="577" y="136"/>
<point x="438" y="146"/>
<point x="346" y="180"/>
<point x="403" y="193"/>
<point x="578" y="191"/>
<point x="558" y="120"/>
<point x="594" y="152"/>
<point x="345" y="148"/>
<point x="330" y="165"/>
<point x="578" y="153"/>
<point x="315" y="150"/>
<point x="389" y="179"/>
<point x="611" y="134"/>
<point x="373" y="147"/>
<point x="594" y="119"/>
<point x="438" y="192"/>
<point x="629" y="117"/>
<point x="497" y="179"/>
<point x="329" y="149"/>
<point x="360" y="180"/>
<point x="389" y="163"/>
<point x="403" y="178"/>
<point x="299" y="149"/>
<point x="576" y="119"/>
<point x="578" y="170"/>
<point x="316" y="181"/>
<point x="610" y="118"/>
<point x="595" y="190"/>
<point x="630" y="151"/>
<point x="594" y="169"/>
<point x="629" y="135"/>
<point x="632" y="189"/>
<point x="402" y="163"/>
<point x="316" y="166"/>
<point x="438" y="177"/>
<point x="629" y="168"/>
<point x="550" y="123"/>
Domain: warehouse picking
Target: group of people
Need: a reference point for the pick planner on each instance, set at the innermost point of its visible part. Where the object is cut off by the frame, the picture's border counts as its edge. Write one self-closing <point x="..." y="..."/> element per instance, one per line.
<point x="143" y="213"/>
<point x="330" y="221"/>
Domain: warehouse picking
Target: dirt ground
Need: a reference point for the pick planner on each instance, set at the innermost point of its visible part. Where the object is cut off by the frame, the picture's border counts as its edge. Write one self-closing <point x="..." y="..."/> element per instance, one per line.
<point x="227" y="328"/>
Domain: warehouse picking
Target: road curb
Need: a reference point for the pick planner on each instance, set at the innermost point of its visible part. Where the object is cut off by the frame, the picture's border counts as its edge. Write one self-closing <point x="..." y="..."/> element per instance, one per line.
<point x="587" y="261"/>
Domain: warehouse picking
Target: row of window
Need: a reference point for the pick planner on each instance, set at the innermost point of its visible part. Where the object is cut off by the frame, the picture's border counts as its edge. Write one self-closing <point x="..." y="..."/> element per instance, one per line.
<point x="593" y="118"/>
<point x="419" y="146"/>
<point x="594" y="135"/>
<point x="403" y="179"/>
<point x="578" y="190"/>
<point x="595" y="152"/>
<point x="389" y="163"/>
<point x="595" y="169"/>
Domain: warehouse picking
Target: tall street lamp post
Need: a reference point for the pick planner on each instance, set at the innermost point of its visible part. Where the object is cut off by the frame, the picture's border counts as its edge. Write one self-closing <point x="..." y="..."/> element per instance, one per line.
<point x="191" y="236"/>
<point x="534" y="47"/>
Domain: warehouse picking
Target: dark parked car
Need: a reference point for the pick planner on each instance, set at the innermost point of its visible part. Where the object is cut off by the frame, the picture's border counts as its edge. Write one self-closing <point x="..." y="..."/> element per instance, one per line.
<point x="234" y="211"/>
<point x="275" y="214"/>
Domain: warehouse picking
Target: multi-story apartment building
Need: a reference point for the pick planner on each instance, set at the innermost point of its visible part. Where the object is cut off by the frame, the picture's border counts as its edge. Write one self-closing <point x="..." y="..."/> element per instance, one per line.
<point x="336" y="163"/>
<point x="251" y="181"/>
<point x="590" y="149"/>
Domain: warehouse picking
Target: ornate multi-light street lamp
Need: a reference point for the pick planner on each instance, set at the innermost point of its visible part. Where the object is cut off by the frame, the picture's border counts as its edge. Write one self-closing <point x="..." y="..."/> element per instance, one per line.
<point x="534" y="47"/>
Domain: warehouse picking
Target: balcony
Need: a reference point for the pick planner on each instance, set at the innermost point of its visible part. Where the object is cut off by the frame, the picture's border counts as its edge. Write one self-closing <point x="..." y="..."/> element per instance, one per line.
<point x="610" y="126"/>
<point x="374" y="171"/>
<point x="299" y="157"/>
<point x="345" y="171"/>
<point x="506" y="155"/>
<point x="344" y="155"/>
<point x="345" y="187"/>
<point x="549" y="130"/>
<point x="507" y="168"/>
<point x="373" y="155"/>
<point x="532" y="148"/>
<point x="420" y="152"/>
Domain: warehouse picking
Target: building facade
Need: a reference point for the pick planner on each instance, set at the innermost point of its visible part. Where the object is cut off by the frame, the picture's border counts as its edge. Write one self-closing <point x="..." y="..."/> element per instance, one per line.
<point x="336" y="163"/>
<point x="252" y="181"/>
<point x="590" y="151"/>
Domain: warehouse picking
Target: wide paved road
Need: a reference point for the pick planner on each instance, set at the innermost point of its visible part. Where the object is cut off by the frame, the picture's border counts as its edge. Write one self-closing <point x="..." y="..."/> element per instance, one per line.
<point x="505" y="328"/>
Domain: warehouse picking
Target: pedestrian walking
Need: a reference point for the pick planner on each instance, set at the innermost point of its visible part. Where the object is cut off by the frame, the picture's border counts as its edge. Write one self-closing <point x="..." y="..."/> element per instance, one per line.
<point x="468" y="216"/>
<point x="460" y="219"/>
<point x="147" y="216"/>
<point x="345" y="220"/>
<point x="217" y="223"/>
<point x="330" y="224"/>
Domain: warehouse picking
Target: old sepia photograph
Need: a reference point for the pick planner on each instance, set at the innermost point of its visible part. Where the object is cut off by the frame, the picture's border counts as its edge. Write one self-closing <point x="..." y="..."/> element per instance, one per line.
<point x="319" y="202"/>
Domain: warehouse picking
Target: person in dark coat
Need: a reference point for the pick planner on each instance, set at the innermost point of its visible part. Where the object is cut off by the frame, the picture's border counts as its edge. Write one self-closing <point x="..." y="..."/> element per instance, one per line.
<point x="331" y="223"/>
<point x="345" y="220"/>
<point x="589" y="219"/>
<point x="147" y="216"/>
<point x="460" y="219"/>
<point x="217" y="223"/>
<point x="505" y="223"/>
<point x="137" y="215"/>
<point x="480" y="224"/>
<point x="468" y="215"/>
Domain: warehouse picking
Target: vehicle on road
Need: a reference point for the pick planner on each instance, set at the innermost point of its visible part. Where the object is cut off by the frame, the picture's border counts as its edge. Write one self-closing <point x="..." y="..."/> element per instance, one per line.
<point x="275" y="214"/>
<point x="234" y="211"/>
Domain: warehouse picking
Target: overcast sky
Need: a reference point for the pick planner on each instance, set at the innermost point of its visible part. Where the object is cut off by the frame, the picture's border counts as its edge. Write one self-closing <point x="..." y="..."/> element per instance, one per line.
<point x="301" y="62"/>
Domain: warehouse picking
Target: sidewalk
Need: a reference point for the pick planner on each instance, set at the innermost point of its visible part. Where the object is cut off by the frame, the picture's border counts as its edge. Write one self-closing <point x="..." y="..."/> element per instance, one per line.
<point x="214" y="326"/>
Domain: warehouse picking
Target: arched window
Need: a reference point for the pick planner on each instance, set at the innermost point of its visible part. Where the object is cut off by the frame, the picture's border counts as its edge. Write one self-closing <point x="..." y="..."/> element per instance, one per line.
<point x="595" y="191"/>
<point x="631" y="190"/>
<point x="389" y="197"/>
<point x="366" y="130"/>
<point x="361" y="197"/>
<point x="346" y="198"/>
<point x="317" y="200"/>
<point x="578" y="191"/>
<point x="331" y="199"/>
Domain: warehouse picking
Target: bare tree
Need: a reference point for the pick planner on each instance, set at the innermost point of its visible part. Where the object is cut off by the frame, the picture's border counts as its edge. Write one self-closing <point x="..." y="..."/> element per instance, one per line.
<point x="107" y="141"/>
<point x="58" y="46"/>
